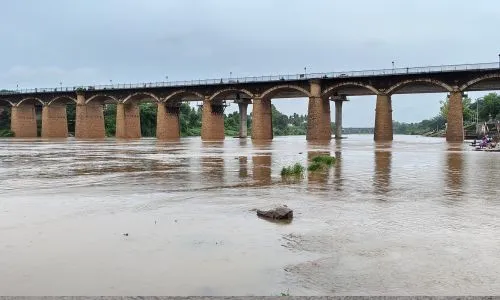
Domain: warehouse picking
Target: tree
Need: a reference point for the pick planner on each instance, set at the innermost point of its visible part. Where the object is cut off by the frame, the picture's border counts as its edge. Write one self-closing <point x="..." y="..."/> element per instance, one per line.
<point x="468" y="113"/>
<point x="190" y="120"/>
<point x="110" y="119"/>
<point x="4" y="118"/>
<point x="489" y="105"/>
<point x="71" y="116"/>
<point x="148" y="119"/>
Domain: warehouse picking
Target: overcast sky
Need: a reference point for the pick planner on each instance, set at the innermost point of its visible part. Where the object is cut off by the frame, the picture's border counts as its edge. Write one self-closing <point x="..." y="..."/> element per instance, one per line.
<point x="94" y="41"/>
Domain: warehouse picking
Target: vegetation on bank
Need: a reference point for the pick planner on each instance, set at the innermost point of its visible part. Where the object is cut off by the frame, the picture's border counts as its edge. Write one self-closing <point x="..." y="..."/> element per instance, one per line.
<point x="6" y="133"/>
<point x="489" y="107"/>
<point x="5" y="123"/>
<point x="190" y="121"/>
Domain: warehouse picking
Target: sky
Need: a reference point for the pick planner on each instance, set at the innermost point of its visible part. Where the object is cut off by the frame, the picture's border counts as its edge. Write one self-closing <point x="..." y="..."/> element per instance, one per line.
<point x="88" y="42"/>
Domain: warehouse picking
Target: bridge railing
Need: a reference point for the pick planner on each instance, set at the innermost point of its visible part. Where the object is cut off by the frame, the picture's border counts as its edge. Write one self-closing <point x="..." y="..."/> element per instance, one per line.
<point x="271" y="78"/>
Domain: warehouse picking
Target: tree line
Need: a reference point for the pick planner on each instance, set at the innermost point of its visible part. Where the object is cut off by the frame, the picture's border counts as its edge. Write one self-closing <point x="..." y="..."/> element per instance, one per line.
<point x="190" y="119"/>
<point x="482" y="109"/>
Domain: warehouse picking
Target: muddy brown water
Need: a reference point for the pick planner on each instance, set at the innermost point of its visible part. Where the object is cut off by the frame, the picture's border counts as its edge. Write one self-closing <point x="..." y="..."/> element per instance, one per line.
<point x="416" y="216"/>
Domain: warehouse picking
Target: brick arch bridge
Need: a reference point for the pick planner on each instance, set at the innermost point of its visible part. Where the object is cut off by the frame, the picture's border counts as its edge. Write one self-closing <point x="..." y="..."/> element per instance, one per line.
<point x="319" y="88"/>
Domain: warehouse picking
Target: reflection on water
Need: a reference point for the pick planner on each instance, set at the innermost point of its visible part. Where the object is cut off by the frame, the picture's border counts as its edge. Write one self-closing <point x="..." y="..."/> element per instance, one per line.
<point x="187" y="207"/>
<point x="454" y="172"/>
<point x="338" y="181"/>
<point x="243" y="163"/>
<point x="262" y="168"/>
<point x="261" y="163"/>
<point x="212" y="168"/>
<point x="382" y="173"/>
<point x="212" y="162"/>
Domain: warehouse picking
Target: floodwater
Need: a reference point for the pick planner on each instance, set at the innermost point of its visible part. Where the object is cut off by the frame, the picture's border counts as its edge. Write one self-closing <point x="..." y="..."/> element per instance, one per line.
<point x="412" y="217"/>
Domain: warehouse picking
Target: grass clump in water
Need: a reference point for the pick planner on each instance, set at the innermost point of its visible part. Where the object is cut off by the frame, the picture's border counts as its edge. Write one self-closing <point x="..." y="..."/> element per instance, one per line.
<point x="324" y="159"/>
<point x="321" y="162"/>
<point x="315" y="167"/>
<point x="296" y="170"/>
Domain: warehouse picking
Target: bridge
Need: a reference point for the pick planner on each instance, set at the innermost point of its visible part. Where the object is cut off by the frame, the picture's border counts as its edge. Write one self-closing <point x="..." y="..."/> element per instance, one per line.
<point x="319" y="88"/>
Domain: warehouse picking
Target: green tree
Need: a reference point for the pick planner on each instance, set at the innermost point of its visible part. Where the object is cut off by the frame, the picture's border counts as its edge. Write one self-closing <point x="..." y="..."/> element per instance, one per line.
<point x="424" y="126"/>
<point x="5" y="130"/>
<point x="148" y="119"/>
<point x="232" y="124"/>
<point x="4" y="118"/>
<point x="489" y="105"/>
<point x="71" y="116"/>
<point x="285" y="125"/>
<point x="190" y="120"/>
<point x="110" y="119"/>
<point x="468" y="113"/>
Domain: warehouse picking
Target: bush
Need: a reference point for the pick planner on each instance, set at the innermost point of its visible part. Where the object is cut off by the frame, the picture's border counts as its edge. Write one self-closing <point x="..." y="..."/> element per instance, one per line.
<point x="321" y="162"/>
<point x="6" y="133"/>
<point x="296" y="170"/>
<point x="315" y="167"/>
<point x="324" y="159"/>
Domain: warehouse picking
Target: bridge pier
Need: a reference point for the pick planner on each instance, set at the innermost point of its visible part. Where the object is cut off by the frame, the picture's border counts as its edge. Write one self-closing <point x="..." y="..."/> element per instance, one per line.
<point x="318" y="115"/>
<point x="54" y="121"/>
<point x="23" y="121"/>
<point x="89" y="119"/>
<point x="128" y="121"/>
<point x="243" y="108"/>
<point x="262" y="122"/>
<point x="383" y="119"/>
<point x="338" y="117"/>
<point x="455" y="127"/>
<point x="212" y="121"/>
<point x="168" y="122"/>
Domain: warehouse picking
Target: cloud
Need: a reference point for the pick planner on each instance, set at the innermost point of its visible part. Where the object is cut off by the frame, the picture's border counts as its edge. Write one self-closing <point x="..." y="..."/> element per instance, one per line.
<point x="49" y="76"/>
<point x="92" y="42"/>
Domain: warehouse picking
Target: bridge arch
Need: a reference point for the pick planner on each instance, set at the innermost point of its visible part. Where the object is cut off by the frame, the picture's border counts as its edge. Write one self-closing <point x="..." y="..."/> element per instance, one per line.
<point x="101" y="96"/>
<point x="276" y="89"/>
<point x="477" y="80"/>
<point x="61" y="98"/>
<point x="139" y="94"/>
<point x="180" y="93"/>
<point x="332" y="89"/>
<point x="228" y="91"/>
<point x="28" y="99"/>
<point x="404" y="83"/>
<point x="6" y="101"/>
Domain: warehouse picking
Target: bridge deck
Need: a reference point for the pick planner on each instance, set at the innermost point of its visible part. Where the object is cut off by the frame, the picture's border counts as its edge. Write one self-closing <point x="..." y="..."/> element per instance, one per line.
<point x="431" y="79"/>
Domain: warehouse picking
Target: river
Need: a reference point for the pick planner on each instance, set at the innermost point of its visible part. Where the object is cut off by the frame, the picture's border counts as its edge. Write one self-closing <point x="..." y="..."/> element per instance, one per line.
<point x="415" y="216"/>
